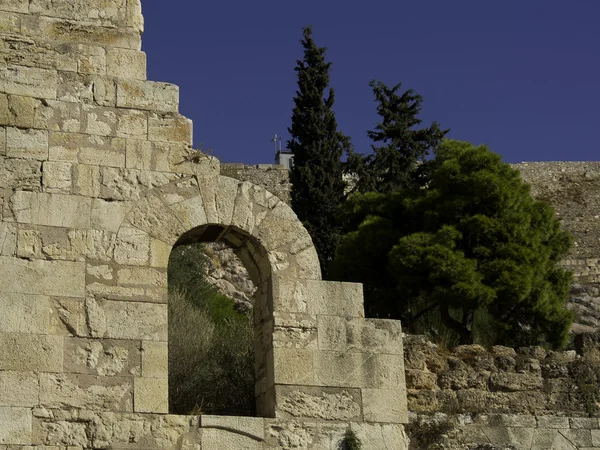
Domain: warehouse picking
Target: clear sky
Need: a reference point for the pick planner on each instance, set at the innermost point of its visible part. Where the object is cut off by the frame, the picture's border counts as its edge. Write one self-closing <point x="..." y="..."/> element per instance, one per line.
<point x="522" y="76"/>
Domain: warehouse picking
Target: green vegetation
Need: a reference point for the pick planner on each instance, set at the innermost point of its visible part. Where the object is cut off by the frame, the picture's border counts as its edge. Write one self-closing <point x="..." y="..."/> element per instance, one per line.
<point x="471" y="254"/>
<point x="394" y="163"/>
<point x="211" y="345"/>
<point x="316" y="175"/>
<point x="350" y="441"/>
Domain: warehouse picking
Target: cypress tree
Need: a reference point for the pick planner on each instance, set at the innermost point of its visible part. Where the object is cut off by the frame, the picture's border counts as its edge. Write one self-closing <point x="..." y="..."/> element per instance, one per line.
<point x="317" y="145"/>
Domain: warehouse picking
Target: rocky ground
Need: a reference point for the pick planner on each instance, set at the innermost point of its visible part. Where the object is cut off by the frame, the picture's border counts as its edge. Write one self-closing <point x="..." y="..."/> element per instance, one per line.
<point x="227" y="273"/>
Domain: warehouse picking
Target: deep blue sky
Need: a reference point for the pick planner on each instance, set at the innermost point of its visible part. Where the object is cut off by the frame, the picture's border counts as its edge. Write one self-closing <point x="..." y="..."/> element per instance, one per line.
<point x="520" y="76"/>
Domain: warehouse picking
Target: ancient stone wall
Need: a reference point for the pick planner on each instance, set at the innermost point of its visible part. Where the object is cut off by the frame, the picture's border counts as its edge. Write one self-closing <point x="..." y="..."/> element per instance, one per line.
<point x="98" y="181"/>
<point x="273" y="177"/>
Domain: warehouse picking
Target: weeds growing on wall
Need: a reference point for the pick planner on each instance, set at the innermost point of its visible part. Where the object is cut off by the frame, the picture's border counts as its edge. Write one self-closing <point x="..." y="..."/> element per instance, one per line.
<point x="350" y="441"/>
<point x="211" y="345"/>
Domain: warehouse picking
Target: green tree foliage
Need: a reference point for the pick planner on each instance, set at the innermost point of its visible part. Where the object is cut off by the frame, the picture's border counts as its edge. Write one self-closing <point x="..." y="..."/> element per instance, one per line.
<point x="472" y="253"/>
<point x="211" y="345"/>
<point x="399" y="147"/>
<point x="316" y="175"/>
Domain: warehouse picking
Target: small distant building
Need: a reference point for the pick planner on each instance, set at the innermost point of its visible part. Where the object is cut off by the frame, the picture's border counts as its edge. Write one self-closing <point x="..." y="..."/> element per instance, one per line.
<point x="285" y="158"/>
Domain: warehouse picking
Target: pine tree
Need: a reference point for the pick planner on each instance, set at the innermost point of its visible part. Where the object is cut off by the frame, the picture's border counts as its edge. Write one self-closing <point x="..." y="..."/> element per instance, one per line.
<point x="317" y="145"/>
<point x="394" y="165"/>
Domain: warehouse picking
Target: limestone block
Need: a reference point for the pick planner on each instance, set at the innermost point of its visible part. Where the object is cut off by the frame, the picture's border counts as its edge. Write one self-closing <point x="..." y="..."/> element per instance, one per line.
<point x="134" y="15"/>
<point x="374" y="336"/>
<point x="55" y="210"/>
<point x="146" y="155"/>
<point x="30" y="144"/>
<point x="108" y="291"/>
<point x="142" y="277"/>
<point x="191" y="212"/>
<point x="151" y="395"/>
<point x="86" y="182"/>
<point x="102" y="357"/>
<point x="302" y="402"/>
<point x="97" y="245"/>
<point x="280" y="227"/>
<point x="155" y="360"/>
<point x="21" y="6"/>
<point x="332" y="333"/>
<point x="91" y="59"/>
<point x="19" y="389"/>
<point x="381" y="436"/>
<point x="294" y="366"/>
<point x="100" y="12"/>
<point x="132" y="247"/>
<point x="250" y="426"/>
<point x="57" y="177"/>
<point x="76" y="88"/>
<point x="343" y="369"/>
<point x="134" y="320"/>
<point x="384" y="405"/>
<point x="37" y="277"/>
<point x="217" y="439"/>
<point x="2" y="141"/>
<point x="186" y="160"/>
<point x="63" y="31"/>
<point x="109" y="215"/>
<point x="31" y="352"/>
<point x="159" y="254"/>
<point x="125" y="184"/>
<point x="10" y="23"/>
<point x="169" y="128"/>
<point x="97" y="393"/>
<point x="133" y="124"/>
<point x="84" y="149"/>
<point x="294" y="331"/>
<point x="65" y="117"/>
<point x="155" y="218"/>
<point x="126" y="63"/>
<point x="17" y="111"/>
<point x="318" y="297"/>
<point x="24" y="313"/>
<point x="15" y="426"/>
<point x="29" y="244"/>
<point x="147" y="95"/>
<point x="8" y="238"/>
<point x="20" y="174"/>
<point x="68" y="317"/>
<point x="29" y="82"/>
<point x="100" y="121"/>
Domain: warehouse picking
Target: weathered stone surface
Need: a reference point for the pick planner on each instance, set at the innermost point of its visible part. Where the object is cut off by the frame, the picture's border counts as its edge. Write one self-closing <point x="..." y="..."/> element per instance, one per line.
<point x="15" y="426"/>
<point x="126" y="63"/>
<point x="30" y="144"/>
<point x="57" y="177"/>
<point x="384" y="405"/>
<point x="148" y="95"/>
<point x="319" y="403"/>
<point x="55" y="210"/>
<point x="24" y="313"/>
<point x="134" y="320"/>
<point x="151" y="395"/>
<point x="102" y="357"/>
<point x="86" y="391"/>
<point x="31" y="352"/>
<point x="28" y="81"/>
<point x="19" y="389"/>
<point x="57" y="278"/>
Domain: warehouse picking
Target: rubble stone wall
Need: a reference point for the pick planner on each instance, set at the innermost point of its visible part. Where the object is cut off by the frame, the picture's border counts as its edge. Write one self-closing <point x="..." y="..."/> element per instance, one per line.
<point x="98" y="181"/>
<point x="274" y="178"/>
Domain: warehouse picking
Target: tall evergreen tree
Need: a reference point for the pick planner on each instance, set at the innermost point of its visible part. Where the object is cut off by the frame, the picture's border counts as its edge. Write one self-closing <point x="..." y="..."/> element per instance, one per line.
<point x="394" y="164"/>
<point x="316" y="175"/>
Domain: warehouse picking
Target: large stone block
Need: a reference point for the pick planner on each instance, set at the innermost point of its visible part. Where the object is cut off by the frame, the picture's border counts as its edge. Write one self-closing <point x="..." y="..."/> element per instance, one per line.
<point x="8" y="238"/>
<point x="294" y="366"/>
<point x="151" y="395"/>
<point x="15" y="426"/>
<point x="384" y="405"/>
<point x="2" y="141"/>
<point x="133" y="124"/>
<point x="96" y="393"/>
<point x="148" y="95"/>
<point x="29" y="82"/>
<point x="20" y="174"/>
<point x="170" y="128"/>
<point x="30" y="144"/>
<point x="57" y="177"/>
<point x="155" y="360"/>
<point x="318" y="297"/>
<point x="302" y="402"/>
<point x="21" y="6"/>
<point x="102" y="357"/>
<point x="132" y="247"/>
<point x="23" y="112"/>
<point x="374" y="336"/>
<point x="100" y="12"/>
<point x="54" y="210"/>
<point x="24" y="313"/>
<point x="134" y="320"/>
<point x="109" y="215"/>
<point x="53" y="278"/>
<point x="19" y="389"/>
<point x="30" y="352"/>
<point x="126" y="63"/>
<point x="10" y="23"/>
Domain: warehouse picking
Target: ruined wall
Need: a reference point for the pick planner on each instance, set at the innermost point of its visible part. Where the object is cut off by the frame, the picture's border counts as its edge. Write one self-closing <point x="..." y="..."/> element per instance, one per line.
<point x="273" y="177"/>
<point x="98" y="181"/>
<point x="529" y="398"/>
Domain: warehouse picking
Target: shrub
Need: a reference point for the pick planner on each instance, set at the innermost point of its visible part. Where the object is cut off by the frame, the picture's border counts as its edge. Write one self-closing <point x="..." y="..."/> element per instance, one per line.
<point x="211" y="345"/>
<point x="350" y="441"/>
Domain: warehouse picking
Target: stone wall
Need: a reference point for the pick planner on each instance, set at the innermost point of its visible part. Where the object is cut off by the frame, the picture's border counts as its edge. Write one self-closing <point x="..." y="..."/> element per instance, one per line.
<point x="273" y="177"/>
<point x="98" y="182"/>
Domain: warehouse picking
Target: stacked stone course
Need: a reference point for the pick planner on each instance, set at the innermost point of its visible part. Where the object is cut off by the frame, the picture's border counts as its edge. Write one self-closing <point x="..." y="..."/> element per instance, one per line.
<point x="98" y="181"/>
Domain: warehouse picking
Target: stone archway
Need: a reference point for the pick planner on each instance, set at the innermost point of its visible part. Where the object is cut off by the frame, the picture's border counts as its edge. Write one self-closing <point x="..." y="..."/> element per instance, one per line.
<point x="263" y="231"/>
